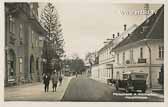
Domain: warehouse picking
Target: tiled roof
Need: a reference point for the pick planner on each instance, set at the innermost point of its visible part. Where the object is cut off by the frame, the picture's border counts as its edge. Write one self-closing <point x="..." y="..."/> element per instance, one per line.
<point x="151" y="28"/>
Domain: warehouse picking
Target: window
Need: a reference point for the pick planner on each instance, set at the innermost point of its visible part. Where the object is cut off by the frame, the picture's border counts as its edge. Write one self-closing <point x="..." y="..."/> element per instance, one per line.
<point x="123" y="57"/>
<point x="20" y="65"/>
<point x="32" y="38"/>
<point x="141" y="53"/>
<point x="11" y="24"/>
<point x="161" y="52"/>
<point x="37" y="64"/>
<point x="118" y="58"/>
<point x="36" y="43"/>
<point x="131" y="56"/>
<point x="140" y="76"/>
<point x="21" y="34"/>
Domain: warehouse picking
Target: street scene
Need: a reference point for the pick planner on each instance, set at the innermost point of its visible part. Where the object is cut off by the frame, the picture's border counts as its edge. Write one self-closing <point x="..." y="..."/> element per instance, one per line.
<point x="84" y="52"/>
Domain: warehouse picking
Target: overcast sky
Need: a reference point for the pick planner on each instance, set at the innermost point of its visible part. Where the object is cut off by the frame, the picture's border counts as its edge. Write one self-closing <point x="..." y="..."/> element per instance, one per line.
<point x="86" y="25"/>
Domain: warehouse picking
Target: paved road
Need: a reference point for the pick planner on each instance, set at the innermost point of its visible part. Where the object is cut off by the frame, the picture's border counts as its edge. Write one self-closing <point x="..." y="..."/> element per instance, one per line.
<point x="84" y="89"/>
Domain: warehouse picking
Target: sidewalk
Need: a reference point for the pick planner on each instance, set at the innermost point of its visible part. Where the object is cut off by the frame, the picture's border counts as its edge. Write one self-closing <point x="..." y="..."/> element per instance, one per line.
<point x="155" y="94"/>
<point x="35" y="92"/>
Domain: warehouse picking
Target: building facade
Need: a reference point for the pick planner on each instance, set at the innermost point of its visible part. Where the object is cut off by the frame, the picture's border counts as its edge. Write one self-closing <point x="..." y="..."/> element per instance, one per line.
<point x="142" y="50"/>
<point x="23" y="43"/>
<point x="104" y="69"/>
<point x="106" y="59"/>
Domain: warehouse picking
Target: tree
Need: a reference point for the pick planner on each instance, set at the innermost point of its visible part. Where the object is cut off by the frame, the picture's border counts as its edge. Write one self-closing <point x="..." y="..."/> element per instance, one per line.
<point x="76" y="64"/>
<point x="54" y="42"/>
<point x="91" y="58"/>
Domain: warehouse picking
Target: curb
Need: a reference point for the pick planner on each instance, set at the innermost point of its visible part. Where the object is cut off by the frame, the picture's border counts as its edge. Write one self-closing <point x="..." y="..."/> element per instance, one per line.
<point x="67" y="84"/>
<point x="158" y="95"/>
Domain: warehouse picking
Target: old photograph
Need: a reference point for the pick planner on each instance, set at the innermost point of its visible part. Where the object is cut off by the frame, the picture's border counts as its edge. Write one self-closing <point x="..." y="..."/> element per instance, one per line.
<point x="84" y="52"/>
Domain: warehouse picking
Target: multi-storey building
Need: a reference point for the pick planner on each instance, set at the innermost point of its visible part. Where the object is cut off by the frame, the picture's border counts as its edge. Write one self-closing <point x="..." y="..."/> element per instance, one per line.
<point x="142" y="50"/>
<point x="23" y="43"/>
<point x="104" y="69"/>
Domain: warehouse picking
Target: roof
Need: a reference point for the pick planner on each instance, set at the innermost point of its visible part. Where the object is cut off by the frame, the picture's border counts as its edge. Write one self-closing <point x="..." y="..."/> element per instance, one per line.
<point x="113" y="42"/>
<point x="105" y="46"/>
<point x="151" y="28"/>
<point x="17" y="7"/>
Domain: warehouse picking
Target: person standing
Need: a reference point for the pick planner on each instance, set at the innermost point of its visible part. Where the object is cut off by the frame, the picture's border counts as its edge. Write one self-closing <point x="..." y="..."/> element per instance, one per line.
<point x="54" y="81"/>
<point x="76" y="73"/>
<point x="46" y="81"/>
<point x="60" y="79"/>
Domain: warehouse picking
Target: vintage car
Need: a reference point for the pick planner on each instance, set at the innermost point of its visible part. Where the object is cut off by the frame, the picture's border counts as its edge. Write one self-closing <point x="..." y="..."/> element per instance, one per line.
<point x="132" y="81"/>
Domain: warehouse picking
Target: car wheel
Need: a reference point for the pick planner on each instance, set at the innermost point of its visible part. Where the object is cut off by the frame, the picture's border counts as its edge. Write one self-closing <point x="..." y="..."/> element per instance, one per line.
<point x="116" y="87"/>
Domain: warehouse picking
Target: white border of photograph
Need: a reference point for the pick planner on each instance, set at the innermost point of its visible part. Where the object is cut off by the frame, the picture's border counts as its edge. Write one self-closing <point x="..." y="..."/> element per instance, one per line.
<point x="82" y="104"/>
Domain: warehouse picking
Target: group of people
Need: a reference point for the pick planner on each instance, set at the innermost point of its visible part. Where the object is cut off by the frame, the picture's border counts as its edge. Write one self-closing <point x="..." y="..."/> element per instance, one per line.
<point x="54" y="78"/>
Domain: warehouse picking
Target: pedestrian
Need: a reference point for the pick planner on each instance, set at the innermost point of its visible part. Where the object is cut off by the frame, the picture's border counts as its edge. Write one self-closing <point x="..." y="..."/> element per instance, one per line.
<point x="54" y="80"/>
<point x="60" y="79"/>
<point x="76" y="73"/>
<point x="46" y="81"/>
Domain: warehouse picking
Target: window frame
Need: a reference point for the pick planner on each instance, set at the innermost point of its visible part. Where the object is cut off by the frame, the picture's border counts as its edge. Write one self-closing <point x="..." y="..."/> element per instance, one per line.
<point x="141" y="53"/>
<point x="161" y="52"/>
<point x="118" y="58"/>
<point x="123" y="57"/>
<point x="20" y="64"/>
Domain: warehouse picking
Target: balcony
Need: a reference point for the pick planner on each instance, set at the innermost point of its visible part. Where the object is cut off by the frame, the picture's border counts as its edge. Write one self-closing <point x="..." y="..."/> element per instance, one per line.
<point x="141" y="60"/>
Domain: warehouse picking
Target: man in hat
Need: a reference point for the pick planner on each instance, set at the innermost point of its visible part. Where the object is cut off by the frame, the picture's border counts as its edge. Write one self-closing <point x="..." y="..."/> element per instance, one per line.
<point x="54" y="80"/>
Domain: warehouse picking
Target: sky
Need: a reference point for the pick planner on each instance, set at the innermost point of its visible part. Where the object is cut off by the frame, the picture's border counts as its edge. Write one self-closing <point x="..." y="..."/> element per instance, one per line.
<point x="86" y="25"/>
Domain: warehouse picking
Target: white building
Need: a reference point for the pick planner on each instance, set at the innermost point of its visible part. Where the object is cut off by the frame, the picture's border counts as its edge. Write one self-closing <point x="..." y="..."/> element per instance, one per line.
<point x="104" y="69"/>
<point x="133" y="53"/>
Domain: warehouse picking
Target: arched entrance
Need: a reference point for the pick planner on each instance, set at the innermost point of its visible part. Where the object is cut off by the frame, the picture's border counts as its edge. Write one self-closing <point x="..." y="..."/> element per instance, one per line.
<point x="11" y="66"/>
<point x="31" y="67"/>
<point x="37" y="69"/>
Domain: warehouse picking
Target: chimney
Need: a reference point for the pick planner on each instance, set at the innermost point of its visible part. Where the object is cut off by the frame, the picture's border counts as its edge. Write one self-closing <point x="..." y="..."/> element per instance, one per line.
<point x="118" y="34"/>
<point x="113" y="36"/>
<point x="125" y="27"/>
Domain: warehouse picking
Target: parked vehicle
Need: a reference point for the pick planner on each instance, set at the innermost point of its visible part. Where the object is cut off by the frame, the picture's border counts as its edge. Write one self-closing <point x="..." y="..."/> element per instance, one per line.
<point x="132" y="81"/>
<point x="110" y="81"/>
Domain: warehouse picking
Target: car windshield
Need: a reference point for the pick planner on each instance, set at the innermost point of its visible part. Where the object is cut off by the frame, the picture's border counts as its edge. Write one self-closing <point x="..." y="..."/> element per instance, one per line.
<point x="139" y="76"/>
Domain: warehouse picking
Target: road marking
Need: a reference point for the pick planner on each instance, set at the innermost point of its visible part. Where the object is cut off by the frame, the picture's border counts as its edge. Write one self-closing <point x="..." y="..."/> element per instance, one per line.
<point x="135" y="97"/>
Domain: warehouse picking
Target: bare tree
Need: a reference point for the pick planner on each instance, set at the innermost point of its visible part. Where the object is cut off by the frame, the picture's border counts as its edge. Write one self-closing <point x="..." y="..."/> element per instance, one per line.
<point x="91" y="59"/>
